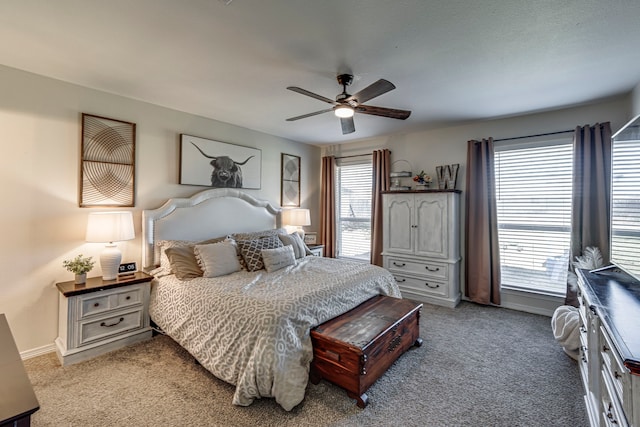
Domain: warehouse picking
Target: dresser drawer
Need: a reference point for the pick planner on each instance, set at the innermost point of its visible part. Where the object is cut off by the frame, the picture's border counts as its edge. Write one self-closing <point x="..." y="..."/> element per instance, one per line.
<point x="422" y="286"/>
<point x="612" y="365"/>
<point x="93" y="304"/>
<point x="612" y="413"/>
<point x="108" y="326"/>
<point x="423" y="268"/>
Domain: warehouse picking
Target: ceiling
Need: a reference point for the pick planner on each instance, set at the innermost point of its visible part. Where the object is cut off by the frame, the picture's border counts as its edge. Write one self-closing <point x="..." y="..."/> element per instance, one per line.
<point x="452" y="61"/>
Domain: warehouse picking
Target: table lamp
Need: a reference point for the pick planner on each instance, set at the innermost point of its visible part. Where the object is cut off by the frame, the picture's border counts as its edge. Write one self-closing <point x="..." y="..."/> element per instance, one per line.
<point x="110" y="227"/>
<point x="296" y="218"/>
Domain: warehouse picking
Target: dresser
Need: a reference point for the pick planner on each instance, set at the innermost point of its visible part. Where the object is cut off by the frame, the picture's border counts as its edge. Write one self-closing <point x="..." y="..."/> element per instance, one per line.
<point x="610" y="346"/>
<point x="421" y="244"/>
<point x="101" y="316"/>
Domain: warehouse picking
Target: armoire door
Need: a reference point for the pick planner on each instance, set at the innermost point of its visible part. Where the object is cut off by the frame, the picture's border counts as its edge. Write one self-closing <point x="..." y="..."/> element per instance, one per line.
<point x="431" y="219"/>
<point x="398" y="232"/>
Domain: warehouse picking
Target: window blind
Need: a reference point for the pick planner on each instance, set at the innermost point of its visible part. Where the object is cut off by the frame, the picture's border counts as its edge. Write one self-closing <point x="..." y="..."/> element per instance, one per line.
<point x="353" y="206"/>
<point x="533" y="192"/>
<point x="625" y="197"/>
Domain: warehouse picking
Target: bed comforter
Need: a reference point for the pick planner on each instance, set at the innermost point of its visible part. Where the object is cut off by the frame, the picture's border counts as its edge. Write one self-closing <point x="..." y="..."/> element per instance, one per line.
<point x="251" y="329"/>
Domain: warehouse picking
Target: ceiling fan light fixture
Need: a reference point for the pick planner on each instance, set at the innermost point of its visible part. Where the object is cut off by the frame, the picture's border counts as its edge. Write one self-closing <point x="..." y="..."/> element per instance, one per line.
<point x="343" y="111"/>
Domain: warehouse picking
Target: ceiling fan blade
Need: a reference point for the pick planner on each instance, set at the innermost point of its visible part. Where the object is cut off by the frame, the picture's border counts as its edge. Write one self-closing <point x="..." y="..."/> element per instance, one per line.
<point x="304" y="116"/>
<point x="371" y="91"/>
<point x="311" y="94"/>
<point x="383" y="112"/>
<point x="347" y="125"/>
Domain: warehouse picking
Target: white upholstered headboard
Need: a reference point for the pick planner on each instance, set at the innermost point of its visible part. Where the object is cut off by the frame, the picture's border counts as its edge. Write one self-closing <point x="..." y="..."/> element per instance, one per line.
<point x="205" y="215"/>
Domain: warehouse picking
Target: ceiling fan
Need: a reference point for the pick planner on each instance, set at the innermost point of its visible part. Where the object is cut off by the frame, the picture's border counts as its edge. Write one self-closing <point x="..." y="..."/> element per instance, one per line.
<point x="345" y="105"/>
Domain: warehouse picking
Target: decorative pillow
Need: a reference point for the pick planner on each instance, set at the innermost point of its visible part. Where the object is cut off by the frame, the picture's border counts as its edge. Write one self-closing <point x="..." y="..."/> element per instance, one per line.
<point x="275" y="259"/>
<point x="183" y="262"/>
<point x="299" y="247"/>
<point x="251" y="250"/>
<point x="217" y="259"/>
<point x="259" y="234"/>
<point x="165" y="264"/>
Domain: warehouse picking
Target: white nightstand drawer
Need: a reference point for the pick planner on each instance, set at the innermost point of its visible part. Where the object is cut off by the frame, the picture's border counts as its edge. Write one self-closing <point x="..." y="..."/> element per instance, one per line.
<point x="423" y="268"/>
<point x="98" y="303"/>
<point x="422" y="286"/>
<point x="108" y="326"/>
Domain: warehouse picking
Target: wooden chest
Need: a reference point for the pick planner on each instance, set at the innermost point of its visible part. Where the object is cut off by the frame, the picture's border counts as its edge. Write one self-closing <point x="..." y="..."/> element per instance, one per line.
<point x="353" y="350"/>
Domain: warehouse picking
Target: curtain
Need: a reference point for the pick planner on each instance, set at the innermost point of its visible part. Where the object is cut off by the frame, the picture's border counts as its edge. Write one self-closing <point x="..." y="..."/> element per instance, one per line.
<point x="591" y="194"/>
<point x="328" y="206"/>
<point x="381" y="182"/>
<point x="482" y="250"/>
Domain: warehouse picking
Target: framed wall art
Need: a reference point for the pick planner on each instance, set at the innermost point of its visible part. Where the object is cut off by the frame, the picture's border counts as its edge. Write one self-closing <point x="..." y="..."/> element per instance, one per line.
<point x="219" y="164"/>
<point x="290" y="181"/>
<point x="107" y="162"/>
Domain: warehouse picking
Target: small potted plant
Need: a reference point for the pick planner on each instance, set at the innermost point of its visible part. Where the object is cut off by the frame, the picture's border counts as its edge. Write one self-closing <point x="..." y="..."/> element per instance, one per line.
<point x="80" y="266"/>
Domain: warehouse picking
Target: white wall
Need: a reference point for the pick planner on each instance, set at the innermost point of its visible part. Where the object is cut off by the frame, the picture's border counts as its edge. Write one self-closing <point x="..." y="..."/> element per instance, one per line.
<point x="40" y="221"/>
<point x="428" y="149"/>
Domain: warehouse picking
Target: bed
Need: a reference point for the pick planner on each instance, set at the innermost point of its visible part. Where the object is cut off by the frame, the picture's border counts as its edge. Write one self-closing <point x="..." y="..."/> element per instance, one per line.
<point x="248" y="328"/>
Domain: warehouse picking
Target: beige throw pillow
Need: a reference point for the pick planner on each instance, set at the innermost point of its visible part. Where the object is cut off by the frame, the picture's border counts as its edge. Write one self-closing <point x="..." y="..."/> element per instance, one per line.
<point x="217" y="259"/>
<point x="183" y="262"/>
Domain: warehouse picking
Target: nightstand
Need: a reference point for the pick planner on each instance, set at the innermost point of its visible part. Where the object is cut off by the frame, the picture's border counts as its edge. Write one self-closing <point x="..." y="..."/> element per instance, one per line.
<point x="316" y="250"/>
<point x="102" y="315"/>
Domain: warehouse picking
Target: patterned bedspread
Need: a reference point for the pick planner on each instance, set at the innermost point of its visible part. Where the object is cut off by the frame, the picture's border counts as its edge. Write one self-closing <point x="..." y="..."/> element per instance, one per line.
<point x="252" y="329"/>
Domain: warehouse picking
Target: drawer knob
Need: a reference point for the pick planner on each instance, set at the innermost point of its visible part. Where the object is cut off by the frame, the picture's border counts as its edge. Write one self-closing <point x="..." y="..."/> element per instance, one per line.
<point x="399" y="264"/>
<point x="605" y="348"/>
<point x="400" y="280"/>
<point x="97" y="304"/>
<point x="432" y="269"/>
<point x="113" y="324"/>
<point x="128" y="297"/>
<point x="428" y="285"/>
<point x="616" y="375"/>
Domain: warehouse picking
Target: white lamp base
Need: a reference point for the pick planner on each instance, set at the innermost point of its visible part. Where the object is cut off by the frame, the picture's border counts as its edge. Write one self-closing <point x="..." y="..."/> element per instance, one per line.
<point x="110" y="261"/>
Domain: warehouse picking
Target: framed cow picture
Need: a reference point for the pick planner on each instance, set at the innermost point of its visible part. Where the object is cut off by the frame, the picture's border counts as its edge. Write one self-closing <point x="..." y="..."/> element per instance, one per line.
<point x="219" y="164"/>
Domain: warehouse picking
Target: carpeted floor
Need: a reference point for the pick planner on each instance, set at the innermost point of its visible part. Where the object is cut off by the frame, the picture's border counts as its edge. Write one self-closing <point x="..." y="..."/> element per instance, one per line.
<point x="479" y="366"/>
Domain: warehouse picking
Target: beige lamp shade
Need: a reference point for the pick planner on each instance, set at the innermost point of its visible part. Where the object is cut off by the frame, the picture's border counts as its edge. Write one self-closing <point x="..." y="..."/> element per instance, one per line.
<point x="109" y="227"/>
<point x="105" y="227"/>
<point x="296" y="217"/>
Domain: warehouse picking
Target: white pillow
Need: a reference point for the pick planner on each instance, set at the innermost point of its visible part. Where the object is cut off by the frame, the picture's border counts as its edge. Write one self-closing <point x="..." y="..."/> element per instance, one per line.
<point x="275" y="259"/>
<point x="299" y="247"/>
<point x="217" y="259"/>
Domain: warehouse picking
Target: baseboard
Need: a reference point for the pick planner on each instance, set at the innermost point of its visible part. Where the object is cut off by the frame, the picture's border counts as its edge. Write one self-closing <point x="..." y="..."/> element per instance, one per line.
<point x="34" y="352"/>
<point x="529" y="302"/>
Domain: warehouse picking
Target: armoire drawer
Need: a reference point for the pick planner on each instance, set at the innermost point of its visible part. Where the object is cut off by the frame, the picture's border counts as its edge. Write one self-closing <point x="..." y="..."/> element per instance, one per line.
<point x="423" y="268"/>
<point x="422" y="286"/>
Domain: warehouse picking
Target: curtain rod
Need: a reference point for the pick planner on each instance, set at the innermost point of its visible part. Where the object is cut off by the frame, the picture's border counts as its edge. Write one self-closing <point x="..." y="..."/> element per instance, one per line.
<point x="533" y="136"/>
<point x="355" y="155"/>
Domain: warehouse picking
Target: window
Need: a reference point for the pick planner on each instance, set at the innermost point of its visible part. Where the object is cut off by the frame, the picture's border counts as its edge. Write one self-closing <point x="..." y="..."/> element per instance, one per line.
<point x="353" y="208"/>
<point x="533" y="191"/>
<point x="625" y="217"/>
